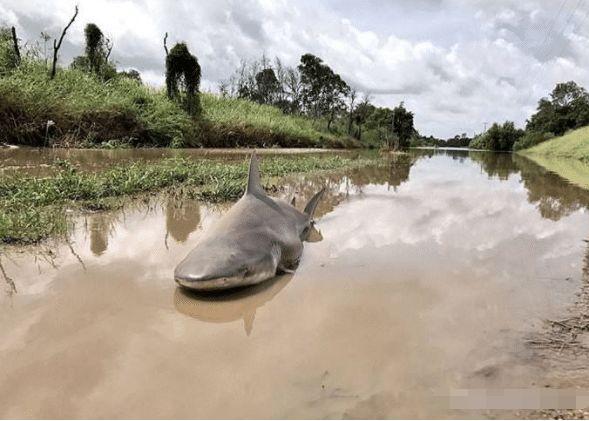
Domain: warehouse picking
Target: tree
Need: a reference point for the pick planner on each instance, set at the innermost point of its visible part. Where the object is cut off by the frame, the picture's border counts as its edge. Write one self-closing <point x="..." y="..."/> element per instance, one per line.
<point x="361" y="114"/>
<point x="322" y="89"/>
<point x="57" y="44"/>
<point x="15" y="46"/>
<point x="95" y="47"/>
<point x="336" y="89"/>
<point x="352" y="100"/>
<point x="267" y="86"/>
<point x="567" y="108"/>
<point x="8" y="58"/>
<point x="265" y="82"/>
<point x="402" y="125"/>
<point x="131" y="74"/>
<point x="379" y="126"/>
<point x="499" y="137"/>
<point x="313" y="75"/>
<point x="183" y="70"/>
<point x="293" y="87"/>
<point x="97" y="52"/>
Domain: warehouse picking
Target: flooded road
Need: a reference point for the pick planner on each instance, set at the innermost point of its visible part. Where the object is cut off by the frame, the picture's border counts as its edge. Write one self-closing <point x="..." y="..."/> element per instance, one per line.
<point x="431" y="276"/>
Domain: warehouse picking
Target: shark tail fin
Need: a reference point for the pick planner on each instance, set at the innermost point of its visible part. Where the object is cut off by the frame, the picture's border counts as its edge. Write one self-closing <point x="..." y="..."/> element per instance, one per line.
<point x="312" y="205"/>
<point x="254" y="182"/>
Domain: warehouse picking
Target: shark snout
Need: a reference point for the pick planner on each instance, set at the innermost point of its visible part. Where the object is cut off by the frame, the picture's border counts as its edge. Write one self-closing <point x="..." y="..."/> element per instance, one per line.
<point x="208" y="280"/>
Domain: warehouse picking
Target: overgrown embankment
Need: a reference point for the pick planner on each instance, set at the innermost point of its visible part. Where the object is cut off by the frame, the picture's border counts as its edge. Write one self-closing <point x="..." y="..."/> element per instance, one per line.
<point x="77" y="109"/>
<point x="33" y="208"/>
<point x="567" y="156"/>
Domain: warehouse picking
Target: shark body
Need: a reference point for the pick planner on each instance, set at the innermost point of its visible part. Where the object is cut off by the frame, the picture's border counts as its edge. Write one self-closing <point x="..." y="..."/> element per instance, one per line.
<point x="257" y="238"/>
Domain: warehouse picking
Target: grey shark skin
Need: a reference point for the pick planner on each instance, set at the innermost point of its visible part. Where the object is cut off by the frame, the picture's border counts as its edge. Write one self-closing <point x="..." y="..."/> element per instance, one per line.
<point x="256" y="239"/>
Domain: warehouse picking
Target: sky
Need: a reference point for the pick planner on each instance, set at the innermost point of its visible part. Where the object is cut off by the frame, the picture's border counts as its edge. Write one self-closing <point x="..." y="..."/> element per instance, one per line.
<point x="457" y="64"/>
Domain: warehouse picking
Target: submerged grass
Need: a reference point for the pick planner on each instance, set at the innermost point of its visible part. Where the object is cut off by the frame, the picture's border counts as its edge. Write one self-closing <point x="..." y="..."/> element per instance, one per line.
<point x="33" y="208"/>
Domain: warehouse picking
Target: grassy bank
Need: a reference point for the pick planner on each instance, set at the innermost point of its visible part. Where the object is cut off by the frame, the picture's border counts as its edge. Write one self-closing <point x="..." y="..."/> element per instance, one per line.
<point x="573" y="145"/>
<point x="567" y="156"/>
<point x="33" y="208"/>
<point x="88" y="112"/>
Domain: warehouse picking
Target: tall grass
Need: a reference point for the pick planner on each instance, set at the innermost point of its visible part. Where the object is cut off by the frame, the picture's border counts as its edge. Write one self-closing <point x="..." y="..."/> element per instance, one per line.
<point x="86" y="110"/>
<point x="89" y="112"/>
<point x="265" y="125"/>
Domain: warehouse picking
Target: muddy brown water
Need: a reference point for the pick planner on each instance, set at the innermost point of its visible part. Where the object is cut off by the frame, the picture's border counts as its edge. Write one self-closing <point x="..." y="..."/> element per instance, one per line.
<point x="38" y="161"/>
<point x="419" y="301"/>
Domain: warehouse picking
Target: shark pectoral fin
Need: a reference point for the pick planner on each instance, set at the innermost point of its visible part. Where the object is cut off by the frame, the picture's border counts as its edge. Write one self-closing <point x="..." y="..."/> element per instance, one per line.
<point x="248" y="321"/>
<point x="312" y="205"/>
<point x="254" y="181"/>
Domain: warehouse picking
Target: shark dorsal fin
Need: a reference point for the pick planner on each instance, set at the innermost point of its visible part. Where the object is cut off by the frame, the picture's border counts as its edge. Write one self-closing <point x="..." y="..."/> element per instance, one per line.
<point x="254" y="182"/>
<point x="312" y="205"/>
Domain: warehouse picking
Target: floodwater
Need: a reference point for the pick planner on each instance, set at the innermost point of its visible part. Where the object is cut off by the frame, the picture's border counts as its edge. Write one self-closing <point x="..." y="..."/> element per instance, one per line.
<point x="38" y="161"/>
<point x="431" y="277"/>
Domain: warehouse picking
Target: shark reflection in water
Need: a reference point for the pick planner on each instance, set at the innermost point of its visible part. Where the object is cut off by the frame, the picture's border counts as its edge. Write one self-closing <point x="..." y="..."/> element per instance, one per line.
<point x="230" y="306"/>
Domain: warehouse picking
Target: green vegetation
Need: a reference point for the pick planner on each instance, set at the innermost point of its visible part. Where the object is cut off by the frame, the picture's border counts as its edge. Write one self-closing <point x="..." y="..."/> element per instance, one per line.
<point x="566" y="109"/>
<point x="90" y="104"/>
<point x="183" y="70"/>
<point x="573" y="145"/>
<point x="235" y="122"/>
<point x="33" y="208"/>
<point x="264" y="104"/>
<point x="87" y="112"/>
<point x="458" y="141"/>
<point x="499" y="137"/>
<point x="530" y="139"/>
<point x="314" y="92"/>
<point x="82" y="110"/>
<point x="567" y="156"/>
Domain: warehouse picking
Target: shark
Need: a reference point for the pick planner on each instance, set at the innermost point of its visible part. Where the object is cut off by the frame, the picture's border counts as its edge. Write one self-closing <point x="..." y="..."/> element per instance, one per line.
<point x="256" y="239"/>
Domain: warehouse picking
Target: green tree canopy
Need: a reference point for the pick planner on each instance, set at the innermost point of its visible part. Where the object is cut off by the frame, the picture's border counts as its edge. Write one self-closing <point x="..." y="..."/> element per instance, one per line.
<point x="566" y="109"/>
<point x="402" y="125"/>
<point x="323" y="90"/>
<point x="499" y="137"/>
<point x="267" y="86"/>
<point x="8" y="57"/>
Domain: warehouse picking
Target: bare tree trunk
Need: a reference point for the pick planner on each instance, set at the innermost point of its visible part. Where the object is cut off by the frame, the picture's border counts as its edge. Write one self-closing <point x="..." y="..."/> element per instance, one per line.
<point x="353" y="95"/>
<point x="166" y="44"/>
<point x="109" y="45"/>
<point x="16" y="49"/>
<point x="57" y="45"/>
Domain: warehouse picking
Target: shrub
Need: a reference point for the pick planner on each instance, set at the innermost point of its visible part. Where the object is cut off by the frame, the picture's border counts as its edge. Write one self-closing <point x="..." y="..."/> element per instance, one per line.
<point x="530" y="139"/>
<point x="499" y="137"/>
